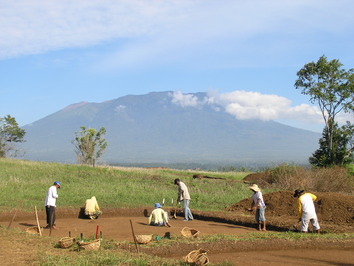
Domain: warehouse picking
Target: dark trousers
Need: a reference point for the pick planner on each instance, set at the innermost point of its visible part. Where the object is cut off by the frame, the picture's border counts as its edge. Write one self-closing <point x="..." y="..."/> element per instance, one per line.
<point x="50" y="211"/>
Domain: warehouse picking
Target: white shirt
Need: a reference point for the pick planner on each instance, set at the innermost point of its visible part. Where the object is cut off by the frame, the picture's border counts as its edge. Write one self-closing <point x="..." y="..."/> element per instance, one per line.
<point x="183" y="192"/>
<point x="307" y="204"/>
<point x="52" y="196"/>
<point x="258" y="196"/>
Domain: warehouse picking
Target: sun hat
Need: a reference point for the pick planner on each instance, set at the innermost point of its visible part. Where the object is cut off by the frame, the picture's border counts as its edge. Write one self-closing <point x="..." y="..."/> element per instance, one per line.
<point x="157" y="205"/>
<point x="254" y="187"/>
<point x="57" y="183"/>
<point x="298" y="192"/>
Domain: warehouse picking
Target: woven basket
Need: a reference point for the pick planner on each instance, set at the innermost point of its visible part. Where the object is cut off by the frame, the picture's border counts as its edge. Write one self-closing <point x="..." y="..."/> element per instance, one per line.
<point x="33" y="230"/>
<point x="197" y="257"/>
<point x="66" y="242"/>
<point x="92" y="245"/>
<point x="143" y="239"/>
<point x="189" y="232"/>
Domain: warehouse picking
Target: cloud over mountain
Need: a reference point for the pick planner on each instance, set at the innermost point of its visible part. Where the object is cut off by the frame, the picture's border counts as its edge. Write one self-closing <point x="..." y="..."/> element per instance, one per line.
<point x="245" y="105"/>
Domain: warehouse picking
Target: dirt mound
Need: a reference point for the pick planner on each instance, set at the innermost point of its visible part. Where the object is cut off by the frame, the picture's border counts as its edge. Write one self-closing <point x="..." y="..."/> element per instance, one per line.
<point x="331" y="207"/>
<point x="262" y="179"/>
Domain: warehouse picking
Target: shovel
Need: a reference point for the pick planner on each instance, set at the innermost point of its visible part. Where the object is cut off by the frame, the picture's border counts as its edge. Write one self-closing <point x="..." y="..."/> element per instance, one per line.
<point x="174" y="216"/>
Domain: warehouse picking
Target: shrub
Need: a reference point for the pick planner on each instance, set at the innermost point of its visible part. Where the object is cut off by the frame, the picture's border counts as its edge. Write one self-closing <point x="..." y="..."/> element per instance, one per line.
<point x="291" y="177"/>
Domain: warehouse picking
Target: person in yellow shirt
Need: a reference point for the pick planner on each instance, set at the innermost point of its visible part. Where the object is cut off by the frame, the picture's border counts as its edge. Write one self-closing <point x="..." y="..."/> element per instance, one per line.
<point x="158" y="216"/>
<point x="92" y="209"/>
<point x="306" y="210"/>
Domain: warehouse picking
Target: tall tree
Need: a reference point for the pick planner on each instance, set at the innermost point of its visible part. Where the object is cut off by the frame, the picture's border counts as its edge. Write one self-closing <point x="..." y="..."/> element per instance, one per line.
<point x="10" y="133"/>
<point x="342" y="151"/>
<point x="331" y="87"/>
<point x="89" y="145"/>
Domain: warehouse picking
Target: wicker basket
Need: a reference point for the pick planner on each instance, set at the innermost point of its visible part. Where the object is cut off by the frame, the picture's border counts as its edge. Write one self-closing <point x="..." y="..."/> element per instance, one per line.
<point x="92" y="245"/>
<point x="34" y="230"/>
<point x="189" y="232"/>
<point x="197" y="257"/>
<point x="143" y="239"/>
<point x="66" y="242"/>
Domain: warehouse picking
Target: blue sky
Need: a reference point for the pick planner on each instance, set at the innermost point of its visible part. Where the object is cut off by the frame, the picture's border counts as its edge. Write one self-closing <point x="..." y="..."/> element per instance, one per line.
<point x="245" y="54"/>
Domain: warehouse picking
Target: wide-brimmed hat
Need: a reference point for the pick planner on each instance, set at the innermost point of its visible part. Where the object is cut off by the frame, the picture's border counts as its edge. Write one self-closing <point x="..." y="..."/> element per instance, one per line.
<point x="254" y="187"/>
<point x="57" y="183"/>
<point x="298" y="192"/>
<point x="157" y="205"/>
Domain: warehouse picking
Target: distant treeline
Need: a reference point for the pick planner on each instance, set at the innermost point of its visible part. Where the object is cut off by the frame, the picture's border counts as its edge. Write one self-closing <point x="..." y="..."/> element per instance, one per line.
<point x="237" y="167"/>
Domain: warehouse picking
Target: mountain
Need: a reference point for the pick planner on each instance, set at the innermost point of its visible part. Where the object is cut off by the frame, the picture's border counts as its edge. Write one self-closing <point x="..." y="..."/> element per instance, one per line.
<point x="153" y="128"/>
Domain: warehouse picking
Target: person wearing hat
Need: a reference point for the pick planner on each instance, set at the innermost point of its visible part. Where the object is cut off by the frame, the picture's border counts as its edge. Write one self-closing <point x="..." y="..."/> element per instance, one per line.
<point x="183" y="195"/>
<point x="50" y="204"/>
<point x="158" y="216"/>
<point x="259" y="206"/>
<point x="306" y="210"/>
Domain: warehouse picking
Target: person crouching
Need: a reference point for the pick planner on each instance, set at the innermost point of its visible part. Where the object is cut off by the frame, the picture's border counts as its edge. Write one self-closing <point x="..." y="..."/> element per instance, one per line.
<point x="158" y="216"/>
<point x="92" y="209"/>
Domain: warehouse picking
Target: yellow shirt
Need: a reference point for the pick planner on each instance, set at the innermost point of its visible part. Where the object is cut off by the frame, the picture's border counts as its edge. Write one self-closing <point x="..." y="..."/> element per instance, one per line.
<point x="91" y="206"/>
<point x="158" y="216"/>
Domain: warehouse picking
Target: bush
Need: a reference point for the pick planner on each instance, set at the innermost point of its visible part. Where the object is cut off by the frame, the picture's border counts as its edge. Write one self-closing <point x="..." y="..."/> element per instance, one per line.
<point x="291" y="177"/>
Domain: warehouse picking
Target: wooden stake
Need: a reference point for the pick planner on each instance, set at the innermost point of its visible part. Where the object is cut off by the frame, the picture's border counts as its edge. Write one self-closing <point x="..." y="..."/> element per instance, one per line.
<point x="135" y="242"/>
<point x="13" y="217"/>
<point x="97" y="230"/>
<point x="39" y="228"/>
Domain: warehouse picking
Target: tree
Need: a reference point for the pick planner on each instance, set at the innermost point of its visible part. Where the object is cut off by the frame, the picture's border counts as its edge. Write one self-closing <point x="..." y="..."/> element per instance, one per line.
<point x="342" y="139"/>
<point x="332" y="88"/>
<point x="89" y="145"/>
<point x="10" y="133"/>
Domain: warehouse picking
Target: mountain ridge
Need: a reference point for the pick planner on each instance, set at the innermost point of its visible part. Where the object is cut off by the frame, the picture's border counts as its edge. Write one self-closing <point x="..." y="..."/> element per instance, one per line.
<point x="151" y="128"/>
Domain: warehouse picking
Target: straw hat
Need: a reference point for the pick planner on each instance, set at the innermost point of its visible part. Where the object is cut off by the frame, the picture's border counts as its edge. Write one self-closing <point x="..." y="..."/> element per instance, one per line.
<point x="255" y="187"/>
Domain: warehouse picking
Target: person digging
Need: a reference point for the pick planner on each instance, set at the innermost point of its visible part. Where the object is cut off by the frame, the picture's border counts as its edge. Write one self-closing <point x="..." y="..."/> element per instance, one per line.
<point x="158" y="216"/>
<point x="306" y="210"/>
<point x="258" y="206"/>
<point x="50" y="204"/>
<point x="92" y="209"/>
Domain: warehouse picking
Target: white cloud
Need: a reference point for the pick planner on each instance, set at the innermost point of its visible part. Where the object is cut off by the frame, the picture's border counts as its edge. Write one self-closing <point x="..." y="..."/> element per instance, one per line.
<point x="245" y="105"/>
<point x="167" y="30"/>
<point x="184" y="100"/>
<point x="254" y="105"/>
<point x="120" y="108"/>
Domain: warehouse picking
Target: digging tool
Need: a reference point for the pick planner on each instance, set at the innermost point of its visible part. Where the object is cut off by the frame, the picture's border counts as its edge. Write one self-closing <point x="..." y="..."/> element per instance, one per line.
<point x="13" y="217"/>
<point x="297" y="226"/>
<point x="39" y="228"/>
<point x="135" y="242"/>
<point x="175" y="212"/>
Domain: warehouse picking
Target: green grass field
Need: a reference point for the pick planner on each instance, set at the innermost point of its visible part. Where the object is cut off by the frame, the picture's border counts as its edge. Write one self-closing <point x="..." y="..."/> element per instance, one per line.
<point x="117" y="187"/>
<point x="114" y="187"/>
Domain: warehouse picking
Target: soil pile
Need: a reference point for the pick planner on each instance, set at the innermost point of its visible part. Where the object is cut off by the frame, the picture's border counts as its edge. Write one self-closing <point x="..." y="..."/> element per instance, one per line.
<point x="330" y="207"/>
<point x="262" y="179"/>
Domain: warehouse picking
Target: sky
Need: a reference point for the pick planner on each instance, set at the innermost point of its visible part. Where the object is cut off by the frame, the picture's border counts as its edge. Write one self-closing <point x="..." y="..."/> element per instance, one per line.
<point x="243" y="54"/>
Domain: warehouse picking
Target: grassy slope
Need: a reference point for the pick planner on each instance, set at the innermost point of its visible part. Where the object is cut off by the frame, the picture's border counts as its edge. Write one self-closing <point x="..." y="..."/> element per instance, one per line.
<point x="113" y="187"/>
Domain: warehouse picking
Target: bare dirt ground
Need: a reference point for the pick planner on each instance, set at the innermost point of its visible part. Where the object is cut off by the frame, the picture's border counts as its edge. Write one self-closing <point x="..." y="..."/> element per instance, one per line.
<point x="335" y="211"/>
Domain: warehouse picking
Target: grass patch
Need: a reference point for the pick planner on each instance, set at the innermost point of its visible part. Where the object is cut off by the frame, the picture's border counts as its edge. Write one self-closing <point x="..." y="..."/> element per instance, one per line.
<point x="114" y="187"/>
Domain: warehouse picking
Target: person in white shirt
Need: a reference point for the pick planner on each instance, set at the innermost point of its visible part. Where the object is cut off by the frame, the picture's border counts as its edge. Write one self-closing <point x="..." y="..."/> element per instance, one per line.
<point x="306" y="210"/>
<point x="183" y="195"/>
<point x="50" y="204"/>
<point x="259" y="206"/>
